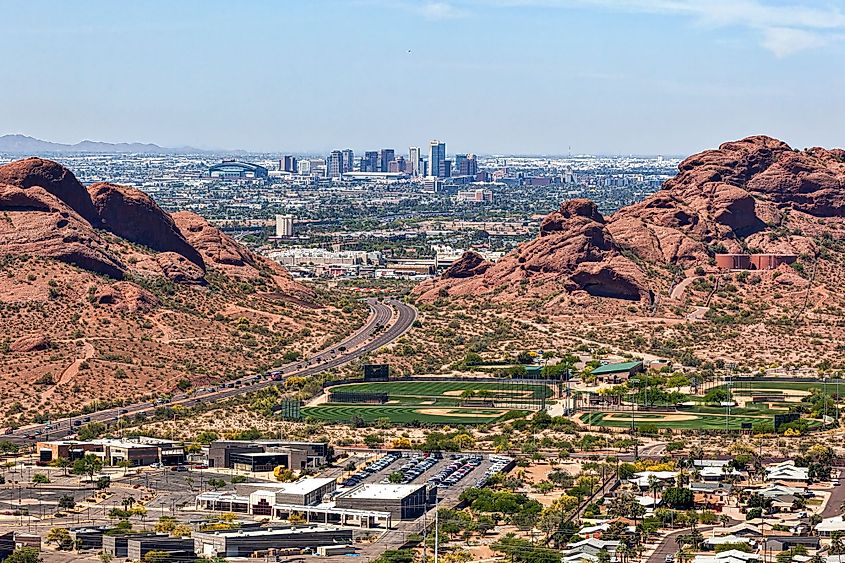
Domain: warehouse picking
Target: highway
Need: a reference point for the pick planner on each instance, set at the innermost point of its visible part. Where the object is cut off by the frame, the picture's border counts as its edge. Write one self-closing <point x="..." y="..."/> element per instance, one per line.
<point x="386" y="323"/>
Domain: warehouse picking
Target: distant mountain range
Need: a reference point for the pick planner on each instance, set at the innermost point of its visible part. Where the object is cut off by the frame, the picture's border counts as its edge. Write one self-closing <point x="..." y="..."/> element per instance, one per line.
<point x="22" y="144"/>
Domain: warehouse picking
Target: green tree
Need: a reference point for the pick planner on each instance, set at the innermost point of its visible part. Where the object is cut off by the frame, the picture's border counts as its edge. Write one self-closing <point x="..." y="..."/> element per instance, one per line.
<point x="66" y="502"/>
<point x="40" y="479"/>
<point x="88" y="465"/>
<point x="24" y="555"/>
<point x="60" y="537"/>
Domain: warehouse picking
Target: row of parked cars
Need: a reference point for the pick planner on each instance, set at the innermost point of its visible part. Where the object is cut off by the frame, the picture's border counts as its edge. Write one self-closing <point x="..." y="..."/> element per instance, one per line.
<point x="459" y="468"/>
<point x="499" y="463"/>
<point x="371" y="469"/>
<point x="414" y="467"/>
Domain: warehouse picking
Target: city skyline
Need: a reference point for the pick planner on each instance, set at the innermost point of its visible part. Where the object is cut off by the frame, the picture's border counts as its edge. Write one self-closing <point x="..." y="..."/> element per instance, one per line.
<point x="494" y="77"/>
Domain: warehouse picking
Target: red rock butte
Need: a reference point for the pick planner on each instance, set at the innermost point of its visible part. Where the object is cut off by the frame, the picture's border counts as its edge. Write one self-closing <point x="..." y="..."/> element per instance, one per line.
<point x="49" y="213"/>
<point x="742" y="195"/>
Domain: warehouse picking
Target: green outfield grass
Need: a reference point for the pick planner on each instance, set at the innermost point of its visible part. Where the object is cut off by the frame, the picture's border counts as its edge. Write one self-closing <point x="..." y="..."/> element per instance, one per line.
<point x="701" y="418"/>
<point x="663" y="420"/>
<point x="448" y="389"/>
<point x="776" y="385"/>
<point x="404" y="414"/>
<point x="432" y="402"/>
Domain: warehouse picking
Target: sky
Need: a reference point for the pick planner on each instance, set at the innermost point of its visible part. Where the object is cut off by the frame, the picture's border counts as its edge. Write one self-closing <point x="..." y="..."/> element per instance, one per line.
<point x="487" y="76"/>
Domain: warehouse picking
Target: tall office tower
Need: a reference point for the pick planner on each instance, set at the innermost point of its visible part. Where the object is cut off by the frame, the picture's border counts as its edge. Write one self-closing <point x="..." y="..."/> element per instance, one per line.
<point x="397" y="165"/>
<point x="445" y="169"/>
<point x="287" y="163"/>
<point x="460" y="164"/>
<point x="384" y="158"/>
<point x="370" y="162"/>
<point x="303" y="167"/>
<point x="466" y="165"/>
<point x="284" y="225"/>
<point x="436" y="155"/>
<point x="347" y="158"/>
<point x="415" y="161"/>
<point x="334" y="165"/>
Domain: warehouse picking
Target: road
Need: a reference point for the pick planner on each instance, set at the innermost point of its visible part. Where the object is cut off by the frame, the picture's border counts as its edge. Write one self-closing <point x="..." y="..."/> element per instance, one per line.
<point x="386" y="323"/>
<point x="669" y="545"/>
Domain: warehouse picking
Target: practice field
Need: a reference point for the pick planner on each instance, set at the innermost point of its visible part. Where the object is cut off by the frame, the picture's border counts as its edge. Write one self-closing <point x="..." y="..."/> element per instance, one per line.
<point x="434" y="402"/>
<point x="680" y="419"/>
<point x="449" y="388"/>
<point x="697" y="419"/>
<point x="405" y="414"/>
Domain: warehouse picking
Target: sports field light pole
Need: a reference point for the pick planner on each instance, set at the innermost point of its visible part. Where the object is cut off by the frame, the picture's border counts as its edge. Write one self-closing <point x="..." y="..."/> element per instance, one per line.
<point x="635" y="381"/>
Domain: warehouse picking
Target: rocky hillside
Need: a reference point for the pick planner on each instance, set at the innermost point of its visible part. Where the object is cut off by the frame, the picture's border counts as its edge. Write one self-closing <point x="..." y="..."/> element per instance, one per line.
<point x="105" y="295"/>
<point x="753" y="195"/>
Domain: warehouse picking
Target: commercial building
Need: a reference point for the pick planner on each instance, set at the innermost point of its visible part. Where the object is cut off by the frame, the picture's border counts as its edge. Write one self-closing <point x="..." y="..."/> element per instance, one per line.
<point x="436" y="156"/>
<point x="233" y="169"/>
<point x="136" y="546"/>
<point x="475" y="196"/>
<point x="288" y="164"/>
<point x="304" y="492"/>
<point x="307" y="498"/>
<point x="370" y="162"/>
<point x="244" y="543"/>
<point x="264" y="455"/>
<point x="334" y="164"/>
<point x="415" y="161"/>
<point x="384" y="158"/>
<point x="138" y="451"/>
<point x="284" y="225"/>
<point x="347" y="160"/>
<point x="404" y="502"/>
<point x="465" y="165"/>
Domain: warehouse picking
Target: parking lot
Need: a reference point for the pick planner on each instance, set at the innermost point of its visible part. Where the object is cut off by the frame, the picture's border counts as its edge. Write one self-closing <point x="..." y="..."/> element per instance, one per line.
<point x="452" y="473"/>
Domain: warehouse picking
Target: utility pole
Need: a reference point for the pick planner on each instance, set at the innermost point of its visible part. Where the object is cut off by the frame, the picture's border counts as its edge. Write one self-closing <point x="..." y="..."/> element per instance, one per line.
<point x="436" y="531"/>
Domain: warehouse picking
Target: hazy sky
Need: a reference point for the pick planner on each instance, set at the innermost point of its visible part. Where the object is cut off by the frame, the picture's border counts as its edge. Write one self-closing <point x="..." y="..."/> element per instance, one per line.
<point x="489" y="76"/>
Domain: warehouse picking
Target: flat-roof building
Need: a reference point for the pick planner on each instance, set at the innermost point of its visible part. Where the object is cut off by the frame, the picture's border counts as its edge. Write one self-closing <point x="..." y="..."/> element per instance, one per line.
<point x="244" y="543"/>
<point x="264" y="455"/>
<point x="137" y="451"/>
<point x="404" y="502"/>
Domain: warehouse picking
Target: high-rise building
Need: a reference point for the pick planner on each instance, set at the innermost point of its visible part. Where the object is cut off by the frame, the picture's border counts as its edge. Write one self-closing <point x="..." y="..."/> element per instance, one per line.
<point x="465" y="165"/>
<point x="303" y="167"/>
<point x="445" y="169"/>
<point x="284" y="225"/>
<point x="287" y="163"/>
<point x="384" y="158"/>
<point x="334" y="164"/>
<point x="399" y="164"/>
<point x="436" y="155"/>
<point x="347" y="158"/>
<point x="415" y="161"/>
<point x="370" y="162"/>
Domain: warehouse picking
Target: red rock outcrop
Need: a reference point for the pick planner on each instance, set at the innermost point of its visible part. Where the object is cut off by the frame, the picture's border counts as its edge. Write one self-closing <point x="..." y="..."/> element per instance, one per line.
<point x="37" y="223"/>
<point x="725" y="195"/>
<point x="30" y="343"/>
<point x="179" y="269"/>
<point x="54" y="178"/>
<point x="133" y="215"/>
<point x="125" y="296"/>
<point x="468" y="265"/>
<point x="574" y="251"/>
<point x="221" y="251"/>
<point x="732" y="198"/>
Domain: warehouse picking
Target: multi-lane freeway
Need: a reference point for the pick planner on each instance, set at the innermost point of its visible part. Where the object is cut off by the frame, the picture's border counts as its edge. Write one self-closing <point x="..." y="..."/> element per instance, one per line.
<point x="387" y="321"/>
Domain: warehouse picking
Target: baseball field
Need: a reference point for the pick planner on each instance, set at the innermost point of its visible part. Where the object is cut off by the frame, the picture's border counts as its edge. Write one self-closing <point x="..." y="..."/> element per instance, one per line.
<point x="433" y="402"/>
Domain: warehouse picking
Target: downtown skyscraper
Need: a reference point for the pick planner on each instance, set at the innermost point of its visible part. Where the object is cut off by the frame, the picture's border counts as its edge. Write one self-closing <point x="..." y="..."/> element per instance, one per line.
<point x="436" y="159"/>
